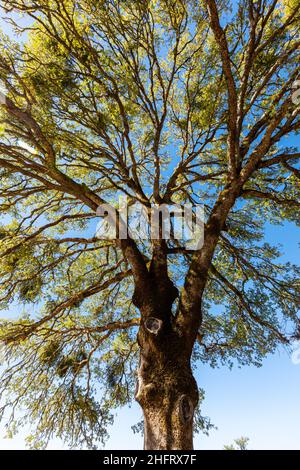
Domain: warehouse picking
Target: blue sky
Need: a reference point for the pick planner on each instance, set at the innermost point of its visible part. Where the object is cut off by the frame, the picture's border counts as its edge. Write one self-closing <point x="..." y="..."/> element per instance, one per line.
<point x="261" y="403"/>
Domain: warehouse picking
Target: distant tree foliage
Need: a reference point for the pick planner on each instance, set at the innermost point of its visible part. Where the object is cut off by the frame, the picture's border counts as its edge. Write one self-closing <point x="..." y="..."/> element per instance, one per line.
<point x="239" y="444"/>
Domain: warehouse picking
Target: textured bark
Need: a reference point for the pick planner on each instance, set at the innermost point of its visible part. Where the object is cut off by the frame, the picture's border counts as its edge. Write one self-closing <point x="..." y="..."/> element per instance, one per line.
<point x="166" y="388"/>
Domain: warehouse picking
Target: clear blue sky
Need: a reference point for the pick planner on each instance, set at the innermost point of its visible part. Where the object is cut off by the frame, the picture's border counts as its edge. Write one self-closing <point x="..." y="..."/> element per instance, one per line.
<point x="261" y="403"/>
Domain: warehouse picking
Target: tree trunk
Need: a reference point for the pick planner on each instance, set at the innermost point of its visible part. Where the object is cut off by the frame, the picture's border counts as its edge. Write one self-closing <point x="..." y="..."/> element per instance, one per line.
<point x="166" y="388"/>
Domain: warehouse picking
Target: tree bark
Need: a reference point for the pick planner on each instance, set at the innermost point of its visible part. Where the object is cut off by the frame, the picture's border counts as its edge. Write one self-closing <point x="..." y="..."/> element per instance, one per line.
<point x="166" y="388"/>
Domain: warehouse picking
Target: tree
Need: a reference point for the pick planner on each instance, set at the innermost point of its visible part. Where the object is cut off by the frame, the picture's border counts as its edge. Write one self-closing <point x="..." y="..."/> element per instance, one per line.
<point x="241" y="444"/>
<point x="165" y="102"/>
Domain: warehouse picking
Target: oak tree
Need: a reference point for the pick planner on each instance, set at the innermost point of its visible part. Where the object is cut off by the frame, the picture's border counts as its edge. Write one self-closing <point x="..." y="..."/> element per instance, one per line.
<point x="164" y="102"/>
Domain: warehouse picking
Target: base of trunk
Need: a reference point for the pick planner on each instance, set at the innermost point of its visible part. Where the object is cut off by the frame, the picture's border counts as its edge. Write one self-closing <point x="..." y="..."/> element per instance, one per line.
<point x="168" y="401"/>
<point x="166" y="429"/>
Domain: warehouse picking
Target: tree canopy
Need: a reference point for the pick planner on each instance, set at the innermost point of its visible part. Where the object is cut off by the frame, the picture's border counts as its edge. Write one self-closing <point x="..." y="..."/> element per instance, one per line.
<point x="165" y="102"/>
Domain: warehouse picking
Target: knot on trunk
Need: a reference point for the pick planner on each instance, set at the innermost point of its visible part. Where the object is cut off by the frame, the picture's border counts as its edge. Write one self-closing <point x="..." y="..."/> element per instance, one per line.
<point x="153" y="325"/>
<point x="186" y="409"/>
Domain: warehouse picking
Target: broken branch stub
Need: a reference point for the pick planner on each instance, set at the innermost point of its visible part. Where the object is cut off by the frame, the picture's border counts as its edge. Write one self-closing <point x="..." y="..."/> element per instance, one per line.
<point x="153" y="325"/>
